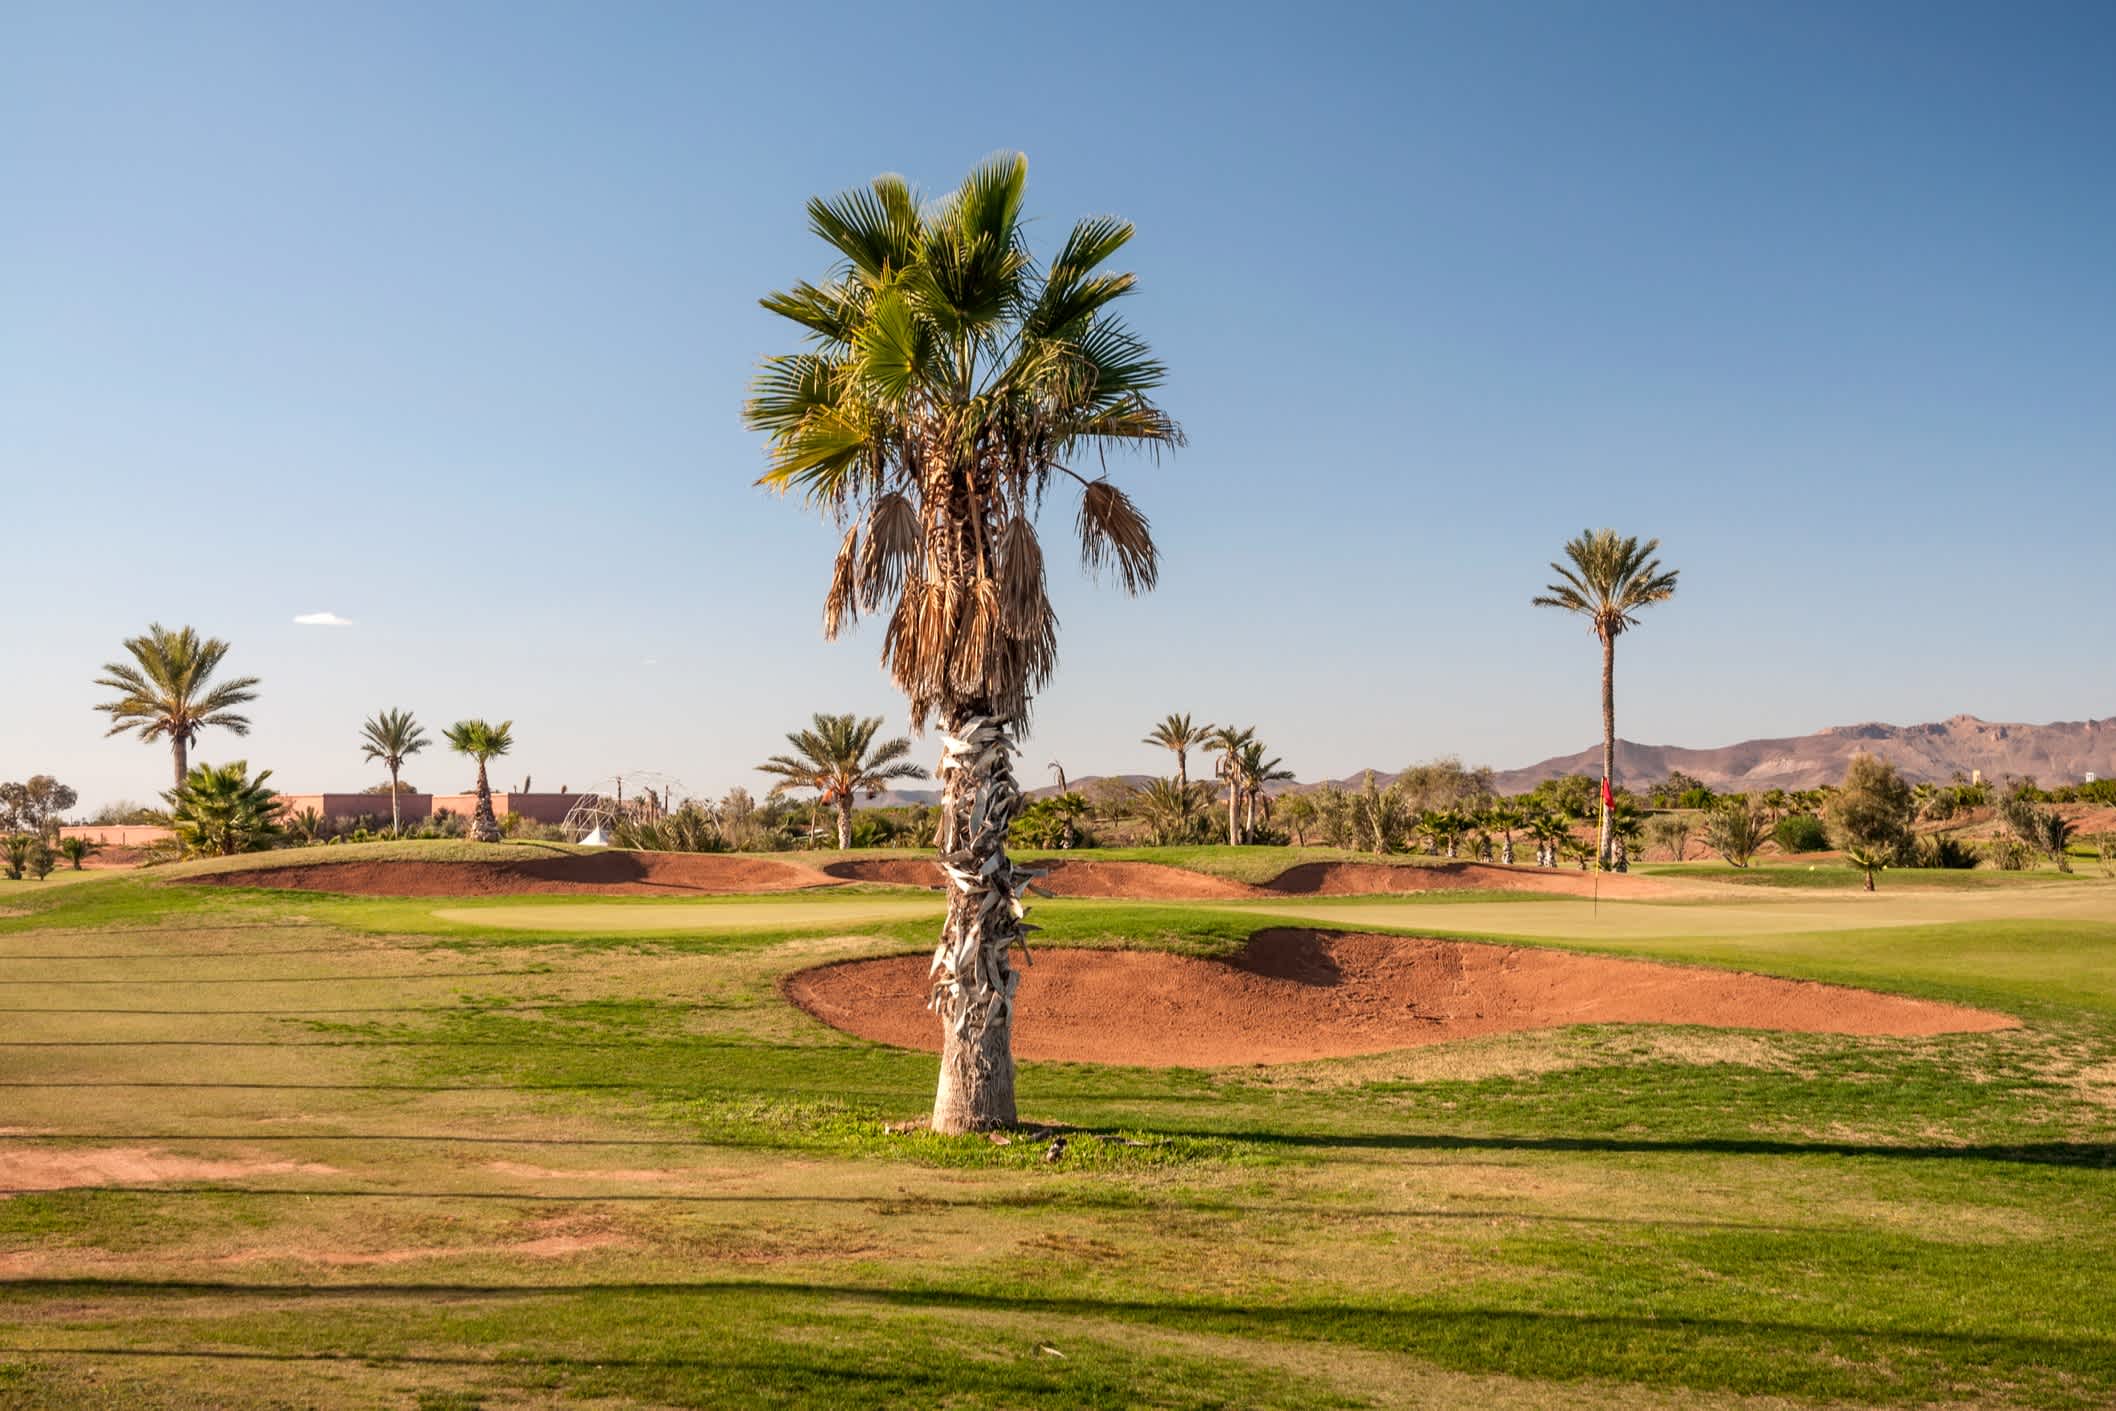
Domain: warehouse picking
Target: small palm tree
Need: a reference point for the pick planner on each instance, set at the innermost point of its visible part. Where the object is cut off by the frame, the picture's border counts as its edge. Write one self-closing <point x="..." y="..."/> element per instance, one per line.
<point x="219" y="812"/>
<point x="1504" y="819"/>
<point x="1550" y="829"/>
<point x="1610" y="579"/>
<point x="483" y="742"/>
<point x="1626" y="827"/>
<point x="1868" y="857"/>
<point x="838" y="758"/>
<point x="78" y="850"/>
<point x="392" y="737"/>
<point x="14" y="854"/>
<point x="1177" y="734"/>
<point x="167" y="691"/>
<point x="951" y="378"/>
<point x="1172" y="812"/>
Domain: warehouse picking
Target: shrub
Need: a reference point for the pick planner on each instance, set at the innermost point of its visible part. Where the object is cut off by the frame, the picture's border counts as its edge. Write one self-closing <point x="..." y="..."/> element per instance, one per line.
<point x="42" y="859"/>
<point x="1735" y="829"/>
<point x="1800" y="832"/>
<point x="1943" y="850"/>
<point x="1871" y="811"/>
<point x="14" y="854"/>
<point x="2009" y="854"/>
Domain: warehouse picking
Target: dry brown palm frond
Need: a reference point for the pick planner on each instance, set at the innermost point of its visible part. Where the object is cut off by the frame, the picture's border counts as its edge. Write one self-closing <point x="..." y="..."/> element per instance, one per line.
<point x="890" y="549"/>
<point x="838" y="603"/>
<point x="1113" y="532"/>
<point x="1024" y="601"/>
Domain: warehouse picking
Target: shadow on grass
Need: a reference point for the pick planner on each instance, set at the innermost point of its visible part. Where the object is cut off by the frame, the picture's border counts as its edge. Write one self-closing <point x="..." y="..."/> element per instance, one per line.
<point x="2089" y="1155"/>
<point x="1372" y="1325"/>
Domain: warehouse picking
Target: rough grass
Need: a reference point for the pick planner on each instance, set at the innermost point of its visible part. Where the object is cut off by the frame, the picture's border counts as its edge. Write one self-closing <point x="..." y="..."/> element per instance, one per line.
<point x="551" y="1168"/>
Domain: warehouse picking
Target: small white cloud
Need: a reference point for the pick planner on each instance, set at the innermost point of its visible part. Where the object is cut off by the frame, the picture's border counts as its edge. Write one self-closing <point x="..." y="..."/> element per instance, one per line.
<point x="650" y="661"/>
<point x="322" y="619"/>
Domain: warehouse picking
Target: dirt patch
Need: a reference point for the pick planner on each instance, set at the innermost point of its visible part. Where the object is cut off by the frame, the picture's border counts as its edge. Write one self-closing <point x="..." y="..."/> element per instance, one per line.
<point x="59" y="1168"/>
<point x="1358" y="879"/>
<point x="1293" y="994"/>
<point x="615" y="873"/>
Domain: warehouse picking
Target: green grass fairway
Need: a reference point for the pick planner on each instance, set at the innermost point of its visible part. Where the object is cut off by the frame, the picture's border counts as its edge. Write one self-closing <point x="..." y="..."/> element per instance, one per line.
<point x="269" y="1149"/>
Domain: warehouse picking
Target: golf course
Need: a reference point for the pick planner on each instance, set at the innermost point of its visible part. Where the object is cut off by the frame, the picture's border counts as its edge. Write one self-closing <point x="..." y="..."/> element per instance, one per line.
<point x="274" y="1145"/>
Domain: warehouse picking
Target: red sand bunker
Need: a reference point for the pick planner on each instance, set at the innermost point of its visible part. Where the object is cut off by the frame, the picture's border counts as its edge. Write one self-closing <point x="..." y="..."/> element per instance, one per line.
<point x="614" y="873"/>
<point x="1301" y="994"/>
<point x="1153" y="881"/>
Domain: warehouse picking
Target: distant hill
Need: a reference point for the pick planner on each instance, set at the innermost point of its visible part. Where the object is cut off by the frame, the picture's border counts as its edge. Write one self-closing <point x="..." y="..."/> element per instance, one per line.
<point x="2059" y="753"/>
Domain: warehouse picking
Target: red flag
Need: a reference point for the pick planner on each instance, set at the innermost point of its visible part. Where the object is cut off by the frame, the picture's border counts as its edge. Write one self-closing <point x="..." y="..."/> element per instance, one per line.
<point x="1608" y="798"/>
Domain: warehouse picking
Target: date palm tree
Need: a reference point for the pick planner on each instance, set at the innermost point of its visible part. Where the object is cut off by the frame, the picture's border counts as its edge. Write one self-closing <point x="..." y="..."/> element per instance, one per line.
<point x="167" y="691"/>
<point x="78" y="850"/>
<point x="1257" y="773"/>
<point x="393" y="737"/>
<point x="1610" y="578"/>
<point x="838" y="758"/>
<point x="951" y="379"/>
<point x="1230" y="744"/>
<point x="1178" y="735"/>
<point x="483" y="742"/>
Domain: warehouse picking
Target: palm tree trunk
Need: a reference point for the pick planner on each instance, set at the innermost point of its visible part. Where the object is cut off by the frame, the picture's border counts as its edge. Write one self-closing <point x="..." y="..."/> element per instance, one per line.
<point x="844" y="811"/>
<point x="484" y="828"/>
<point x="396" y="815"/>
<point x="1183" y="770"/>
<point x="1507" y="856"/>
<point x="1234" y="819"/>
<point x="180" y="748"/>
<point x="1601" y="849"/>
<point x="973" y="976"/>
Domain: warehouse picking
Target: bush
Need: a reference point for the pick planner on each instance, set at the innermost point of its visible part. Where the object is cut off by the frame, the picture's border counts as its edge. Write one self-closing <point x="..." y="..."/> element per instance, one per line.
<point x="1943" y="850"/>
<point x="1735" y="830"/>
<point x="1800" y="832"/>
<point x="2010" y="854"/>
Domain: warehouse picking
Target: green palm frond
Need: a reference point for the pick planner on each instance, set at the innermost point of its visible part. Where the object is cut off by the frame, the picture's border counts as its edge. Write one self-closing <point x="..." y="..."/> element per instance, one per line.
<point x="1608" y="578"/>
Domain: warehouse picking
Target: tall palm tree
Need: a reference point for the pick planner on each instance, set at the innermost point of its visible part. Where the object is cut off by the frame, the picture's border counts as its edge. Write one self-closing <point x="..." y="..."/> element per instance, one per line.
<point x="1177" y="734"/>
<point x="483" y="742"/>
<point x="1610" y="579"/>
<point x="1229" y="743"/>
<point x="838" y="758"/>
<point x="167" y="691"/>
<point x="1256" y="773"/>
<point x="392" y="737"/>
<point x="952" y="377"/>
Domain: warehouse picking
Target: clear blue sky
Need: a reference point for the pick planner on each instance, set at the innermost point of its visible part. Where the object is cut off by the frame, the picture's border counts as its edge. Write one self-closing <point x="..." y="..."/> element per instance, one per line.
<point x="464" y="295"/>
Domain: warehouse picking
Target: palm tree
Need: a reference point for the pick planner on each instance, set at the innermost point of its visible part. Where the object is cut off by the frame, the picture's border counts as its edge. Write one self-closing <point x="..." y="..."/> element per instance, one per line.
<point x="1869" y="858"/>
<point x="1626" y="826"/>
<point x="1610" y="579"/>
<point x="1256" y="773"/>
<point x="1173" y="812"/>
<point x="1550" y="830"/>
<point x="483" y="742"/>
<point x="838" y="758"/>
<point x="221" y="812"/>
<point x="1229" y="744"/>
<point x="78" y="850"/>
<point x="1176" y="733"/>
<point x="951" y="379"/>
<point x="1503" y="819"/>
<point x="166" y="691"/>
<point x="392" y="737"/>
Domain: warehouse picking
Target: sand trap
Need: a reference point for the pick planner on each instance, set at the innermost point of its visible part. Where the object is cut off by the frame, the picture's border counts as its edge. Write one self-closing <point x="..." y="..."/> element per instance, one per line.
<point x="1357" y="879"/>
<point x="1300" y="994"/>
<point x="1154" y="881"/>
<point x="59" y="1168"/>
<point x="614" y="873"/>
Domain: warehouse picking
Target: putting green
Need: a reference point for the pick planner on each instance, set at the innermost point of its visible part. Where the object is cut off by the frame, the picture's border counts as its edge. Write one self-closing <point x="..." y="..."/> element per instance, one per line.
<point x="617" y="918"/>
<point x="1722" y="916"/>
